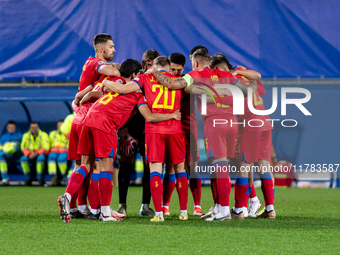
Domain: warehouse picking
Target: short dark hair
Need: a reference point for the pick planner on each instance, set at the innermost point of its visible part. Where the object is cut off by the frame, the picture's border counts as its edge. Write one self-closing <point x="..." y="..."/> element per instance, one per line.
<point x="177" y="58"/>
<point x="34" y="122"/>
<point x="197" y="48"/>
<point x="218" y="59"/>
<point x="11" y="122"/>
<point x="161" y="61"/>
<point x="101" y="38"/>
<point x="149" y="55"/>
<point x="202" y="55"/>
<point x="60" y="120"/>
<point x="129" y="67"/>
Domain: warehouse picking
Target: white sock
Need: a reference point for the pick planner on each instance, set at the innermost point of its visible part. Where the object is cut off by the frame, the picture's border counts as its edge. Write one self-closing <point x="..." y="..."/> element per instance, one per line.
<point x="83" y="208"/>
<point x="254" y="199"/>
<point x="197" y="206"/>
<point x="72" y="210"/>
<point x="217" y="208"/>
<point x="167" y="207"/>
<point x="159" y="214"/>
<point x="147" y="205"/>
<point x="95" y="211"/>
<point x="68" y="196"/>
<point x="244" y="209"/>
<point x="224" y="210"/>
<point x="105" y="210"/>
<point x="183" y="211"/>
<point x="269" y="208"/>
<point x="238" y="210"/>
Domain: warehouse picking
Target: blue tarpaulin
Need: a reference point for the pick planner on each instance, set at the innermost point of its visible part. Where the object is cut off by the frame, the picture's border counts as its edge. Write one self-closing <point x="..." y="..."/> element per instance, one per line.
<point x="284" y="38"/>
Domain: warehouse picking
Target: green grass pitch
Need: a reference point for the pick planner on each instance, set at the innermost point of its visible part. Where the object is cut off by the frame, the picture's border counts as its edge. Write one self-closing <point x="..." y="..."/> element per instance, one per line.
<point x="307" y="222"/>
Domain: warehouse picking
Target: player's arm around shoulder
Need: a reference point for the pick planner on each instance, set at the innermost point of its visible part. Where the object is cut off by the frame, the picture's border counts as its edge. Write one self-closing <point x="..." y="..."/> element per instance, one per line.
<point x="108" y="70"/>
<point x="250" y="74"/>
<point x="91" y="96"/>
<point x="116" y="87"/>
<point x="244" y="87"/>
<point x="178" y="83"/>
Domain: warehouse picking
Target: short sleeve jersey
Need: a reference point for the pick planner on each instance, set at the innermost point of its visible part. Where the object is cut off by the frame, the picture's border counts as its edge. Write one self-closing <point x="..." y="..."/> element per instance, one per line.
<point x="90" y="73"/>
<point x="160" y="99"/>
<point x="257" y="120"/>
<point x="81" y="113"/>
<point x="208" y="78"/>
<point x="112" y="110"/>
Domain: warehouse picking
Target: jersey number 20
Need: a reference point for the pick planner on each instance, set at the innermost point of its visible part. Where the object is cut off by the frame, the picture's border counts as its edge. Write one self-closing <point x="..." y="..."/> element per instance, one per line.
<point x="163" y="91"/>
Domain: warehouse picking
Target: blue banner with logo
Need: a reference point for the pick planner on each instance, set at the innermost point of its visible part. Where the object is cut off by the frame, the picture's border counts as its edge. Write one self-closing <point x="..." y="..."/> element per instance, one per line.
<point x="51" y="40"/>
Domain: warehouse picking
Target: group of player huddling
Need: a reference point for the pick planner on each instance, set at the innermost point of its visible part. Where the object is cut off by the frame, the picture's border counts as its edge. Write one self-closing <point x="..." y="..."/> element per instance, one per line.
<point x="165" y="127"/>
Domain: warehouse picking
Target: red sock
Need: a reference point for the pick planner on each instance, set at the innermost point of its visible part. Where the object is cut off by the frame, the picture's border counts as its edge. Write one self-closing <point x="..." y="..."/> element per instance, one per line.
<point x="247" y="196"/>
<point x="240" y="189"/>
<point x="214" y="190"/>
<point x="156" y="188"/>
<point x="76" y="179"/>
<point x="82" y="192"/>
<point x="93" y="192"/>
<point x="223" y="182"/>
<point x="169" y="184"/>
<point x="182" y="190"/>
<point x="195" y="187"/>
<point x="73" y="203"/>
<point x="267" y="189"/>
<point x="253" y="192"/>
<point x="105" y="188"/>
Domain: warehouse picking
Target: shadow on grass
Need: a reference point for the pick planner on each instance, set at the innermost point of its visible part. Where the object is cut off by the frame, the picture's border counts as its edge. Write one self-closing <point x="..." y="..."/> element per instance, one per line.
<point x="281" y="222"/>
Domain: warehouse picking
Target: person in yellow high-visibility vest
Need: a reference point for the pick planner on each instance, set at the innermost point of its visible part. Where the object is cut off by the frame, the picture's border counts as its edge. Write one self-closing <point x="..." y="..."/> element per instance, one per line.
<point x="58" y="154"/>
<point x="65" y="128"/>
<point x="34" y="145"/>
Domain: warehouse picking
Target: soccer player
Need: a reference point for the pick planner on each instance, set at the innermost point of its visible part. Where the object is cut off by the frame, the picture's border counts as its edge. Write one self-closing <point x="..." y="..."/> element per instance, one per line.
<point x="58" y="153"/>
<point x="93" y="68"/>
<point x="220" y="139"/>
<point x="189" y="128"/>
<point x="9" y="149"/>
<point x="220" y="62"/>
<point x="98" y="138"/>
<point x="35" y="145"/>
<point x="162" y="135"/>
<point x="96" y="66"/>
<point x="134" y="128"/>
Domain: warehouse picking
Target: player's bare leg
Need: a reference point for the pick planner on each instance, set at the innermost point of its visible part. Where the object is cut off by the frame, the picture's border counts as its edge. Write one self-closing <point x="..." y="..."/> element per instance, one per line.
<point x="169" y="184"/>
<point x="182" y="190"/>
<point x="105" y="189"/>
<point x="267" y="186"/>
<point x="156" y="188"/>
<point x="223" y="187"/>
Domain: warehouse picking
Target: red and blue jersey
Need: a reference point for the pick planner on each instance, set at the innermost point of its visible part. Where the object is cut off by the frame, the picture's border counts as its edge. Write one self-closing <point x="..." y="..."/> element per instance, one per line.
<point x="111" y="111"/>
<point x="160" y="99"/>
<point x="90" y="73"/>
<point x="209" y="78"/>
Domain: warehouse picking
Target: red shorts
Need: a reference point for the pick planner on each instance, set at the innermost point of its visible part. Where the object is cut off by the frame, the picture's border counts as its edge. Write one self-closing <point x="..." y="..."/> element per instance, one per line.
<point x="220" y="140"/>
<point x="155" y="145"/>
<point x="74" y="140"/>
<point x="253" y="146"/>
<point x="191" y="145"/>
<point x="97" y="143"/>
